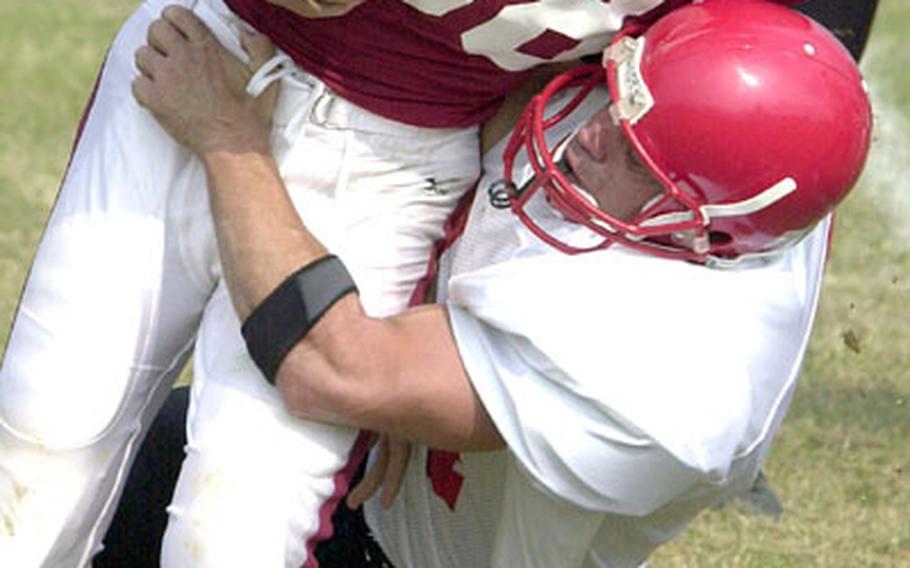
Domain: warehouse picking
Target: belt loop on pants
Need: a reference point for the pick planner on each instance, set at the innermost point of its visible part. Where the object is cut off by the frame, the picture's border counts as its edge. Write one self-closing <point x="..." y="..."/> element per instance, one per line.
<point x="321" y="108"/>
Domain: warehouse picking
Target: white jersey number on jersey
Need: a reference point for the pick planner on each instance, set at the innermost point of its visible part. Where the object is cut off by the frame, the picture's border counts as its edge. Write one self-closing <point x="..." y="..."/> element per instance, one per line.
<point x="523" y="35"/>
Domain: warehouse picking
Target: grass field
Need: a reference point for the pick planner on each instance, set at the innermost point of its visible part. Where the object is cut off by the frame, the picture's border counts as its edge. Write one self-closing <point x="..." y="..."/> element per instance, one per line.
<point x="842" y="463"/>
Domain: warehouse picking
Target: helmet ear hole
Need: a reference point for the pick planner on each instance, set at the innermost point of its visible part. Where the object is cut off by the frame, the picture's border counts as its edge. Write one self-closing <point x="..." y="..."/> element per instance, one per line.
<point x="719" y="238"/>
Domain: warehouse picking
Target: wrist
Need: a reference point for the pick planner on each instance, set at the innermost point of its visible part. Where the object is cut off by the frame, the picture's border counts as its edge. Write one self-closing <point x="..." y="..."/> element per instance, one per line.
<point x="237" y="166"/>
<point x="232" y="142"/>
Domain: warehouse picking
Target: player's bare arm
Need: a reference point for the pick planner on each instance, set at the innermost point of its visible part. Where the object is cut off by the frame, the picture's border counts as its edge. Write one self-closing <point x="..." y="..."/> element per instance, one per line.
<point x="400" y="375"/>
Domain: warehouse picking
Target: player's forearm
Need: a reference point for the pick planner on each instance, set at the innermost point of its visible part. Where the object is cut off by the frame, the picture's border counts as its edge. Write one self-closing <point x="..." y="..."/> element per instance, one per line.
<point x="261" y="238"/>
<point x="400" y="375"/>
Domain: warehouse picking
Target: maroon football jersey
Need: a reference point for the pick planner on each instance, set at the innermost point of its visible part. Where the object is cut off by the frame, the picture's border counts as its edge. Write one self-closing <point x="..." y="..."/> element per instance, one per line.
<point x="440" y="63"/>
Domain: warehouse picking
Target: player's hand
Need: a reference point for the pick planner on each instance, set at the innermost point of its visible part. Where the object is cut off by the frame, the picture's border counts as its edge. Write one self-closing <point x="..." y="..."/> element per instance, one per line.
<point x="318" y="8"/>
<point x="197" y="90"/>
<point x="387" y="472"/>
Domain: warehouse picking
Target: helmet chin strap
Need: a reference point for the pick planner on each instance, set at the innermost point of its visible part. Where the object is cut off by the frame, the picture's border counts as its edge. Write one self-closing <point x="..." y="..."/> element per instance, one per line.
<point x="763" y="199"/>
<point x="757" y="202"/>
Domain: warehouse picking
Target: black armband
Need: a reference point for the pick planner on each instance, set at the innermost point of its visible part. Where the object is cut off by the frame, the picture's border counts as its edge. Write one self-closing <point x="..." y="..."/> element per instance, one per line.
<point x="292" y="309"/>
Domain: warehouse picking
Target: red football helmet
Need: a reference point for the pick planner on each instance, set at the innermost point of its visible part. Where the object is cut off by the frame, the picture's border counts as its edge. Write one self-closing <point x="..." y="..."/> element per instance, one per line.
<point x="753" y="117"/>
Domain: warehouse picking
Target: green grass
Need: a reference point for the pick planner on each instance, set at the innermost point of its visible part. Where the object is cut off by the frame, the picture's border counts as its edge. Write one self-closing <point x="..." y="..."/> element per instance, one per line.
<point x="842" y="462"/>
<point x="49" y="53"/>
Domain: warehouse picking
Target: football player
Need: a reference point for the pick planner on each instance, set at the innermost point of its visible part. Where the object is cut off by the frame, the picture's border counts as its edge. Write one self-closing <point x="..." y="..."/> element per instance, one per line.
<point x="135" y="534"/>
<point x="624" y="309"/>
<point x="376" y="133"/>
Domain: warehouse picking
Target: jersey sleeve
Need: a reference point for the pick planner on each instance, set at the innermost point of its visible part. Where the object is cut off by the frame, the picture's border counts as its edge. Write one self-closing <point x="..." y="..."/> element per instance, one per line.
<point x="620" y="380"/>
<point x="567" y="443"/>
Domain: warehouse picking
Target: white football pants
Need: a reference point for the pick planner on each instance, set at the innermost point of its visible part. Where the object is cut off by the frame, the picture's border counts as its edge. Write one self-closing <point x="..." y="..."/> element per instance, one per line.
<point x="126" y="271"/>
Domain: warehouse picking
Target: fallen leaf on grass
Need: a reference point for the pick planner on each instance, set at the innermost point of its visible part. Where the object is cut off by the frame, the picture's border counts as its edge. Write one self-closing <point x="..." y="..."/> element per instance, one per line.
<point x="851" y="340"/>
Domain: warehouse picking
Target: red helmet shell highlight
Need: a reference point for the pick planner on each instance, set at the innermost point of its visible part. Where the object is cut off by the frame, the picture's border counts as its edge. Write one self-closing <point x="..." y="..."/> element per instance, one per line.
<point x="754" y="118"/>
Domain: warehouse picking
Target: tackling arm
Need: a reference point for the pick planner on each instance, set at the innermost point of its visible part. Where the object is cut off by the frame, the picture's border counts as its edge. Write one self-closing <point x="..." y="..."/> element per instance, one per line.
<point x="400" y="375"/>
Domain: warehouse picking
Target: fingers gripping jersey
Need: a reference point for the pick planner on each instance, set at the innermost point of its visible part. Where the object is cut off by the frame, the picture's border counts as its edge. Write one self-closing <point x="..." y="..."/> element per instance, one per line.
<point x="442" y="63"/>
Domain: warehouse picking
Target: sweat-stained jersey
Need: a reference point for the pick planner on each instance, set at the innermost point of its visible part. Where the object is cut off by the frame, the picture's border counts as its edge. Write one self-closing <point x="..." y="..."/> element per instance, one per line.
<point x="632" y="391"/>
<point x="441" y="63"/>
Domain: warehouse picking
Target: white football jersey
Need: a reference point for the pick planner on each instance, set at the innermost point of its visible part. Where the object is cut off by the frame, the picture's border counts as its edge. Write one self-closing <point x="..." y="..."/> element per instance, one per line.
<point x="632" y="392"/>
